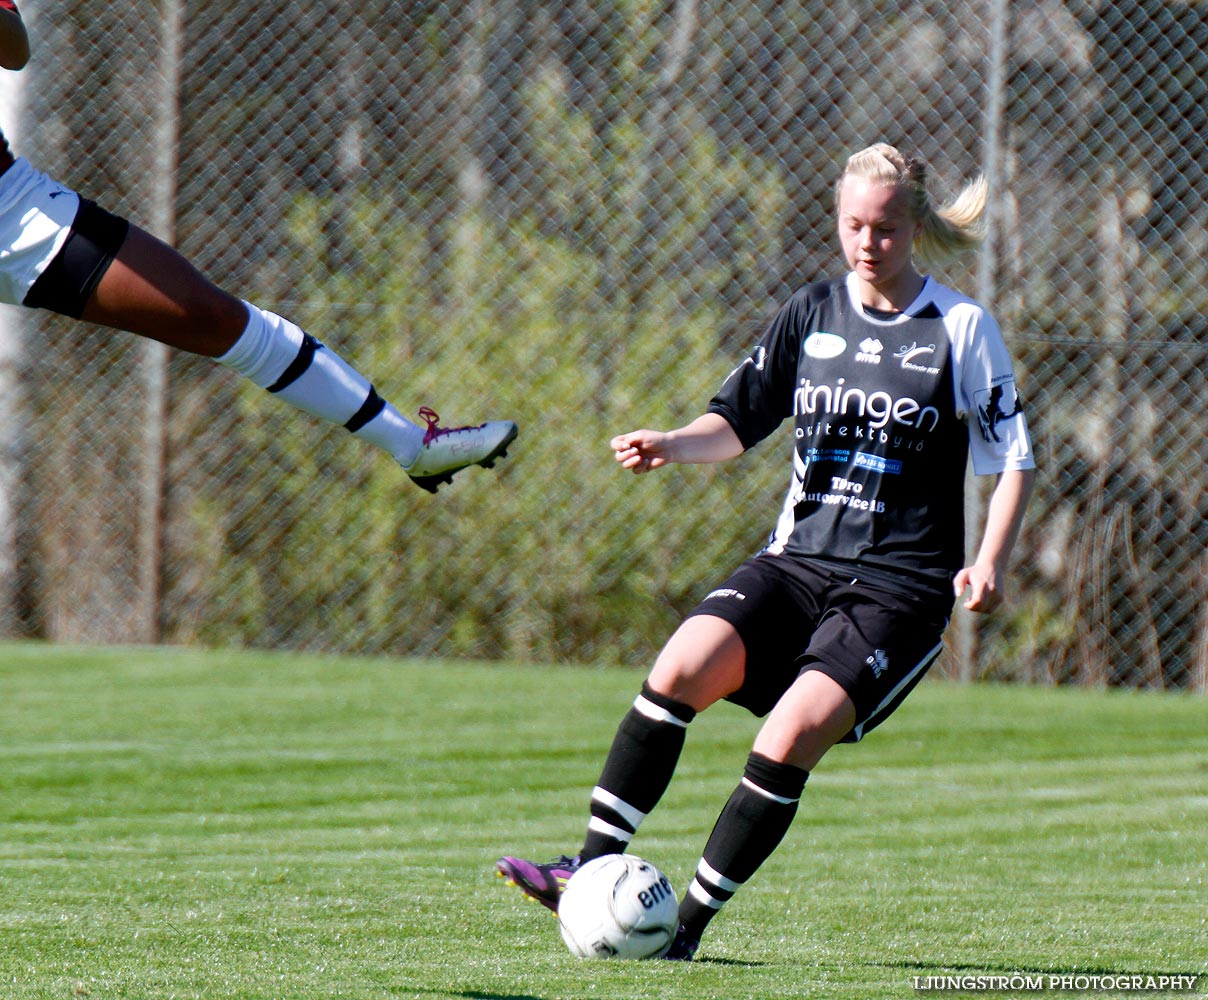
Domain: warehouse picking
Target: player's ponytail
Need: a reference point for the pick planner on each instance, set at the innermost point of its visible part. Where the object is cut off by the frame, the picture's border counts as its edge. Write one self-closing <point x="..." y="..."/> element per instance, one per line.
<point x="954" y="227"/>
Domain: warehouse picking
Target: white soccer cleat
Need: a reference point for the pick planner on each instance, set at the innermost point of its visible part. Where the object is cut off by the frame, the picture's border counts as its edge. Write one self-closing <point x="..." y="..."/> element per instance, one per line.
<point x="447" y="450"/>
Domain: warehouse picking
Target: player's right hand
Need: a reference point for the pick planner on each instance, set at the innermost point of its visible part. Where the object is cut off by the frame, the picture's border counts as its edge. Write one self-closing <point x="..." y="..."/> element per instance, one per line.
<point x="640" y="451"/>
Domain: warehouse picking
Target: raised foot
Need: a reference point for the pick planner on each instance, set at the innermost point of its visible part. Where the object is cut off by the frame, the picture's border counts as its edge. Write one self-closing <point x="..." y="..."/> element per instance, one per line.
<point x="448" y="450"/>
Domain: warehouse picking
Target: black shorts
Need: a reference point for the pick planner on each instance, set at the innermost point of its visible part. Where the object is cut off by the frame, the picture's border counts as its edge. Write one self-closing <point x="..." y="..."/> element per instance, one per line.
<point x="74" y="272"/>
<point x="794" y="615"/>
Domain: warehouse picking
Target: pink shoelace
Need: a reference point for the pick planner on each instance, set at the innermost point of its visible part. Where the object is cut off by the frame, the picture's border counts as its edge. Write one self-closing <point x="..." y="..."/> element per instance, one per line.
<point x="431" y="418"/>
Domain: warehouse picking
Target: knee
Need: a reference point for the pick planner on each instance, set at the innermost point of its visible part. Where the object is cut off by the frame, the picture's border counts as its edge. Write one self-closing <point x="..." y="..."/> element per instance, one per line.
<point x="801" y="747"/>
<point x="677" y="671"/>
<point x="697" y="675"/>
<point x="210" y="321"/>
<point x="673" y="677"/>
<point x="210" y="310"/>
<point x="800" y="734"/>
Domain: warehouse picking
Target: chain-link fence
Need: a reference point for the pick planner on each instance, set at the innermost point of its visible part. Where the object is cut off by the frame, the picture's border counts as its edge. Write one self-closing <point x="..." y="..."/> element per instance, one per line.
<point x="579" y="215"/>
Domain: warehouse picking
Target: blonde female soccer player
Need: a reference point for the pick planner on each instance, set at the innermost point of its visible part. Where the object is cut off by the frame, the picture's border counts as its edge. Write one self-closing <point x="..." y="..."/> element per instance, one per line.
<point x="61" y="252"/>
<point x="892" y="383"/>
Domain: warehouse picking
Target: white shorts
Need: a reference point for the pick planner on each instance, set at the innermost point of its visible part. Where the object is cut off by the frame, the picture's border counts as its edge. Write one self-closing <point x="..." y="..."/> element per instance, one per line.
<point x="36" y="213"/>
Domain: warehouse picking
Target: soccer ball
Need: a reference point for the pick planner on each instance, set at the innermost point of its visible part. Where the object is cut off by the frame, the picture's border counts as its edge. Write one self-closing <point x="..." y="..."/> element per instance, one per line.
<point x="618" y="906"/>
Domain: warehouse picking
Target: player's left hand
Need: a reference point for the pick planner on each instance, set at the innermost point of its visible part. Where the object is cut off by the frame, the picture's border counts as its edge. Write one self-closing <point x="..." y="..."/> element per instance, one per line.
<point x="982" y="584"/>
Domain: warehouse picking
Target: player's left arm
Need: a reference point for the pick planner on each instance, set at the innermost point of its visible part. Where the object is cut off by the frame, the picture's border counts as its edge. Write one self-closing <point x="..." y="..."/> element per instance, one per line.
<point x="999" y="444"/>
<point x="14" y="41"/>
<point x="984" y="579"/>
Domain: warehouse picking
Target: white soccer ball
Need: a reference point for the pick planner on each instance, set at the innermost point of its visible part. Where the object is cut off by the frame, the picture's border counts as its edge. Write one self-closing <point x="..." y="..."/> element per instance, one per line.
<point x="618" y="906"/>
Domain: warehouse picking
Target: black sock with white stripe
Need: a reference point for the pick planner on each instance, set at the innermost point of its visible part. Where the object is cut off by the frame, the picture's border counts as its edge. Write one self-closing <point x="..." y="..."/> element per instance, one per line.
<point x="636" y="772"/>
<point x="279" y="357"/>
<point x="752" y="824"/>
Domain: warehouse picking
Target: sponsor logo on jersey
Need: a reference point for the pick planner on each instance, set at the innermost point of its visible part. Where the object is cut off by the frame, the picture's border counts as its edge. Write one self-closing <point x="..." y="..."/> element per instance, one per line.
<point x="870" y="351"/>
<point x="840" y="456"/>
<point x="849" y="500"/>
<point x="878" y="408"/>
<point x="906" y="356"/>
<point x="863" y="460"/>
<point x="824" y="345"/>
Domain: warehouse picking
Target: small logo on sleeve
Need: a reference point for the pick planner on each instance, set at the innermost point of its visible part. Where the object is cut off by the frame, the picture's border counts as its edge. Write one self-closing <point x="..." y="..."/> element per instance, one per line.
<point x="995" y="405"/>
<point x="726" y="593"/>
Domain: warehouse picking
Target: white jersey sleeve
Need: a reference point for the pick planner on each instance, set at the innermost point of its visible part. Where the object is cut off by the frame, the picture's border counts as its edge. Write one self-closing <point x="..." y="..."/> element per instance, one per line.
<point x="986" y="397"/>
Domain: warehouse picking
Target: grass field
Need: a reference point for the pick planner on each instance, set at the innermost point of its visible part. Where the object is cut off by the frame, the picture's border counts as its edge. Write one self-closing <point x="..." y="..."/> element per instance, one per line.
<point x="180" y="824"/>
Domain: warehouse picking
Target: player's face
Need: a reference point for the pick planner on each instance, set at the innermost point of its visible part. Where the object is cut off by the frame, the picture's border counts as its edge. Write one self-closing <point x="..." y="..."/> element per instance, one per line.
<point x="877" y="232"/>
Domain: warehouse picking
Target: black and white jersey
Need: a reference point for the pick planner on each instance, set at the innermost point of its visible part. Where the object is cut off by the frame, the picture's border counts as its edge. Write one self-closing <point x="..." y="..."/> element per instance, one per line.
<point x="886" y="412"/>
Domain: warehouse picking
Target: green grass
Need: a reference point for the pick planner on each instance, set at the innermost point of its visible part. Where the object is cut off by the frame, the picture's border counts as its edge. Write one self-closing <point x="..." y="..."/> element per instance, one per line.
<point x="180" y="824"/>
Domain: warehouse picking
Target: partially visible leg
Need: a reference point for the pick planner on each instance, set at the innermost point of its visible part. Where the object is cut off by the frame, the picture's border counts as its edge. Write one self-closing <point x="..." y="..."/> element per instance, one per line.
<point x="151" y="290"/>
<point x="813" y="715"/>
<point x="810" y="718"/>
<point x="702" y="662"/>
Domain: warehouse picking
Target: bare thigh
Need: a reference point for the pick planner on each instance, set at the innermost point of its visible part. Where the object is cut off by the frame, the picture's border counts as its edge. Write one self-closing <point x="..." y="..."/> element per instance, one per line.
<point x="810" y="718"/>
<point x="153" y="291"/>
<point x="704" y="661"/>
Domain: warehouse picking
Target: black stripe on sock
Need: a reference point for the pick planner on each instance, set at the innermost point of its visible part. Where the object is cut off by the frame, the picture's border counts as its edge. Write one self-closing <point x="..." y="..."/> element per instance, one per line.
<point x="713" y="891"/>
<point x="772" y="776"/>
<point x="297" y="367"/>
<point x="611" y="817"/>
<point x="373" y="405"/>
<point x="685" y="713"/>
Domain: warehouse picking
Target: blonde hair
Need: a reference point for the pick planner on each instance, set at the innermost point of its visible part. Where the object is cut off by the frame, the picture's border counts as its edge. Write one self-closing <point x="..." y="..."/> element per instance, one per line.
<point x="954" y="227"/>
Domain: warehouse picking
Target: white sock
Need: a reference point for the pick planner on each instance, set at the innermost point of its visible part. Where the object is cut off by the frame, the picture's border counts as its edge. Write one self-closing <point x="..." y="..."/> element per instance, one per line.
<point x="278" y="356"/>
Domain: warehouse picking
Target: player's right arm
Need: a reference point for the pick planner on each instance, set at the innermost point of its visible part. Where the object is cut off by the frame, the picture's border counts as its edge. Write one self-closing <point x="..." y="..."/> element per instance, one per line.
<point x="709" y="438"/>
<point x="755" y="397"/>
<point x="14" y="41"/>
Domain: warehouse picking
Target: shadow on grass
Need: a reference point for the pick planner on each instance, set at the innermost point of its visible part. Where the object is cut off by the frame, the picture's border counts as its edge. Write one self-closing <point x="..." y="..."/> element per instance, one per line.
<point x="732" y="962"/>
<point x="476" y="995"/>
<point x="497" y="996"/>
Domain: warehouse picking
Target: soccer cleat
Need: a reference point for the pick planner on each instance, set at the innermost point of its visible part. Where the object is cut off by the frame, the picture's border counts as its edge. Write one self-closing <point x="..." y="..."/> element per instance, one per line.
<point x="683" y="948"/>
<point x="542" y="882"/>
<point x="447" y="450"/>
